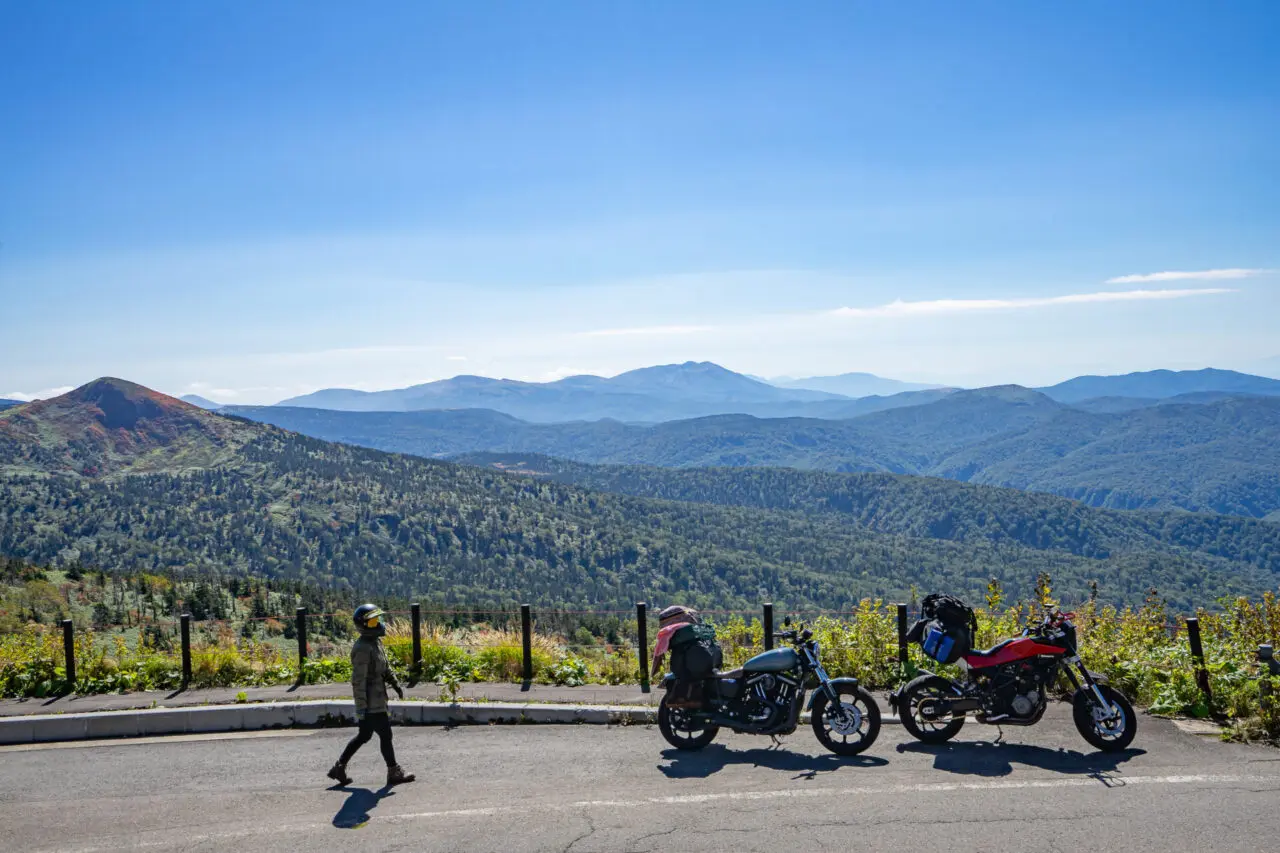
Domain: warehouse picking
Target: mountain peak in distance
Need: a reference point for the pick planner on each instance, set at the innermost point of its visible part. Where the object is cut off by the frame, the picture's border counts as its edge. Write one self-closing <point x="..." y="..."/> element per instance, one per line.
<point x="202" y="402"/>
<point x="1162" y="384"/>
<point x="854" y="385"/>
<point x="111" y="424"/>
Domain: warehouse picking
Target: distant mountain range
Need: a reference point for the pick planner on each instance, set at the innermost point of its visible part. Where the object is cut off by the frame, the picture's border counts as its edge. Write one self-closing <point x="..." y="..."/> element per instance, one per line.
<point x="855" y="385"/>
<point x="9" y="404"/>
<point x="700" y="389"/>
<point x="118" y="476"/>
<point x="202" y="402"/>
<point x="1162" y="384"/>
<point x="1220" y="456"/>
<point x="648" y="395"/>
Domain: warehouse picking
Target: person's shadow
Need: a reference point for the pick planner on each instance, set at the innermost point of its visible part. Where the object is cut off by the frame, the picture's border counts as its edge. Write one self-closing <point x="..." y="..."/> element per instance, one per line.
<point x="714" y="758"/>
<point x="355" y="811"/>
<point x="982" y="758"/>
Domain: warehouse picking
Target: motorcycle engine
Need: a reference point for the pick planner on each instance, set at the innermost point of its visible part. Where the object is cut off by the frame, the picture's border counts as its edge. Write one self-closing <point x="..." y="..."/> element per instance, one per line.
<point x="766" y="695"/>
<point x="1017" y="690"/>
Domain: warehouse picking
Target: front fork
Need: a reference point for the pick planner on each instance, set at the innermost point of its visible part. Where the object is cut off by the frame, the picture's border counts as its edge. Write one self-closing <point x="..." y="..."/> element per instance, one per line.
<point x="1089" y="682"/>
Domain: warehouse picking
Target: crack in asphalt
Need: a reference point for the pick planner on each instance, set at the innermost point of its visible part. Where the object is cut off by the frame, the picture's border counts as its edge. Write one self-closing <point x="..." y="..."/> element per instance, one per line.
<point x="591" y="830"/>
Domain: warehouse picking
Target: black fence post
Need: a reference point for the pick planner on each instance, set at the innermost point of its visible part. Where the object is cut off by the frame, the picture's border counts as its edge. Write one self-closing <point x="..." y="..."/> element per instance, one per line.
<point x="902" y="634"/>
<point x="415" y="619"/>
<point x="69" y="653"/>
<point x="642" y="628"/>
<point x="1197" y="655"/>
<point x="302" y="640"/>
<point x="526" y="634"/>
<point x="185" y="622"/>
<point x="768" y="625"/>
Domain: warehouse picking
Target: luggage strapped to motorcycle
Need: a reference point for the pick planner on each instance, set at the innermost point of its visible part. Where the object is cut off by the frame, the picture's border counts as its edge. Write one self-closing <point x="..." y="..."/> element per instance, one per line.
<point x="947" y="628"/>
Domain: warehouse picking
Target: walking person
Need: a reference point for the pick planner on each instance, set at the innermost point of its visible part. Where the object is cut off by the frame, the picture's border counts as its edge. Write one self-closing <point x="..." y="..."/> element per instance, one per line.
<point x="370" y="675"/>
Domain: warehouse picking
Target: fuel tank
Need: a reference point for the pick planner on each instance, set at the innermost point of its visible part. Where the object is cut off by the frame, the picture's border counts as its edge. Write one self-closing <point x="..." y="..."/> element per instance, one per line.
<point x="1010" y="651"/>
<point x="774" y="660"/>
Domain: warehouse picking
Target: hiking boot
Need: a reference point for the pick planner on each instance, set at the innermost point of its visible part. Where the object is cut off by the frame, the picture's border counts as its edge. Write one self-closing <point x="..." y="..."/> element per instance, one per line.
<point x="397" y="776"/>
<point x="338" y="773"/>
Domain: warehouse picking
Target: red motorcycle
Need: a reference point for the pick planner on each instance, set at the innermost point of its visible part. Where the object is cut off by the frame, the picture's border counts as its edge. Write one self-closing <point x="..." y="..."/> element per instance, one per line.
<point x="1010" y="685"/>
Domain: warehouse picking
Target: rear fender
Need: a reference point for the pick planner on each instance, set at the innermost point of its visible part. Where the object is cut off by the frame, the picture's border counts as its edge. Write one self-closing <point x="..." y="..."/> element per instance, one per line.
<point x="896" y="694"/>
<point x="837" y="683"/>
<point x="668" y="681"/>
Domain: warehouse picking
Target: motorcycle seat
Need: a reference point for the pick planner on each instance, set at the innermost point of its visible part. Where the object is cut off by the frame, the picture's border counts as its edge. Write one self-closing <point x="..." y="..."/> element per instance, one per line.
<point x="976" y="653"/>
<point x="728" y="674"/>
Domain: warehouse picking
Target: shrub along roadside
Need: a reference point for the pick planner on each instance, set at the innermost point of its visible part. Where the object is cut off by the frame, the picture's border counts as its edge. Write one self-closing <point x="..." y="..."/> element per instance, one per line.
<point x="1143" y="651"/>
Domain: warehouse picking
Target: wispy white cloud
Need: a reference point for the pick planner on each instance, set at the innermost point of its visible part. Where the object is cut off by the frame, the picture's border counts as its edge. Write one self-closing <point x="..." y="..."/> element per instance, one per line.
<point x="1190" y="275"/>
<point x="455" y="358"/>
<point x="899" y="308"/>
<point x="37" y="395"/>
<point x="647" y="331"/>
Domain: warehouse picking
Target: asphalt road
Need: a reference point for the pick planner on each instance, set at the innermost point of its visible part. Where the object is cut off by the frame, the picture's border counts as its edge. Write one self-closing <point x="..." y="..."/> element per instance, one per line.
<point x="595" y="788"/>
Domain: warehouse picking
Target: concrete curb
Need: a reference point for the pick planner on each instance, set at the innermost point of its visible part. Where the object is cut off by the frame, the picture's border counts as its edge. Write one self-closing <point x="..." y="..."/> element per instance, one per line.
<point x="43" y="728"/>
<point x="46" y="728"/>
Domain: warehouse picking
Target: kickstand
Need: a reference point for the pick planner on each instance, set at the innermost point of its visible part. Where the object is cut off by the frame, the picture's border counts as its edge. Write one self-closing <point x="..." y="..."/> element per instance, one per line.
<point x="777" y="744"/>
<point x="999" y="735"/>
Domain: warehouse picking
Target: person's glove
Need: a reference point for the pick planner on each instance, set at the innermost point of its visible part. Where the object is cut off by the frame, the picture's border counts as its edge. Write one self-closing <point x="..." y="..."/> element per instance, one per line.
<point x="399" y="690"/>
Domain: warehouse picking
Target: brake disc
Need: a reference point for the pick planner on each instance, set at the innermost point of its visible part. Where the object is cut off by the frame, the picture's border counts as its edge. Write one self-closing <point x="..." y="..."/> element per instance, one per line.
<point x="848" y="722"/>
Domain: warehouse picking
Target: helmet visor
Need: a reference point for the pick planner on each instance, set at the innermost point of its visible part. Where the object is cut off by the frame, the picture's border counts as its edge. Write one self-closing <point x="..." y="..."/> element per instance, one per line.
<point x="373" y="619"/>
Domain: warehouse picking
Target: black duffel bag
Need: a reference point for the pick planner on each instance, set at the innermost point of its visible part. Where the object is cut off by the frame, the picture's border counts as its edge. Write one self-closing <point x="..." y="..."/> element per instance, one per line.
<point x="947" y="630"/>
<point x="695" y="654"/>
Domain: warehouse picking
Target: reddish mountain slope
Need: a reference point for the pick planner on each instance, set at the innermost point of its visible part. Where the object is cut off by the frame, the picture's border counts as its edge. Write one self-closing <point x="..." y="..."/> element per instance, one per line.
<point x="111" y="425"/>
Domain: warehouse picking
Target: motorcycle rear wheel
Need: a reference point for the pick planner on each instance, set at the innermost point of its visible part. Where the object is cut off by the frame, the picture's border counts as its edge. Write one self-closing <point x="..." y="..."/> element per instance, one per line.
<point x="924" y="730"/>
<point x="828" y="729"/>
<point x="1106" y="735"/>
<point x="675" y="728"/>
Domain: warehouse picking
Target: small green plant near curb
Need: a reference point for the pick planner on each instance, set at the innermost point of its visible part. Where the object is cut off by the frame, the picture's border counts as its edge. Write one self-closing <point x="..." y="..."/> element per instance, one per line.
<point x="450" y="681"/>
<point x="570" y="671"/>
<point x="242" y="697"/>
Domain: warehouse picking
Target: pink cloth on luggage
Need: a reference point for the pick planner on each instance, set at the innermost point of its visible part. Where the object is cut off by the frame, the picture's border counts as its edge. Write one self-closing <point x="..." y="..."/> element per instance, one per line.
<point x="664" y="640"/>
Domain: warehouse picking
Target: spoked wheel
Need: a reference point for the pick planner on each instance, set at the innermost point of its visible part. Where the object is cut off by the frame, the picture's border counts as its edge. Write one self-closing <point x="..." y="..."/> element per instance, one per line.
<point x="849" y="727"/>
<point x="1109" y="730"/>
<point x="916" y="705"/>
<point x="679" y="728"/>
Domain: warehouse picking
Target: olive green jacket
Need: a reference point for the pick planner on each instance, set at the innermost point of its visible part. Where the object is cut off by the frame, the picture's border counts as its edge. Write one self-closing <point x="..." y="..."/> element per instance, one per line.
<point x="370" y="675"/>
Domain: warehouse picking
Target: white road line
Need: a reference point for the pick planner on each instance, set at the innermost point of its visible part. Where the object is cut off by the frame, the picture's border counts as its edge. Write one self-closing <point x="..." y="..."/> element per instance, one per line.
<point x="922" y="788"/>
<point x="135" y="842"/>
<point x="137" y="741"/>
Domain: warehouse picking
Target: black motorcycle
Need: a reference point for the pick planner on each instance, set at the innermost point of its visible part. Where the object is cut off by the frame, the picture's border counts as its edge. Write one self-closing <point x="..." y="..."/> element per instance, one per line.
<point x="765" y="697"/>
<point x="1010" y="685"/>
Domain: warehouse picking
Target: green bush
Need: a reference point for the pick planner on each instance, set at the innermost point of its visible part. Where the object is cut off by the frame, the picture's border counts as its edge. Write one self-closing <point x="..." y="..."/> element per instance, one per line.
<point x="506" y="663"/>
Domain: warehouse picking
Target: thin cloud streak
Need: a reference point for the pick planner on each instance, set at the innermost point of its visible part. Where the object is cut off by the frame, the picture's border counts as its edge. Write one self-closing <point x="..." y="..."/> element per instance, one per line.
<point x="899" y="308"/>
<point x="38" y="395"/>
<point x="1194" y="275"/>
<point x="646" y="331"/>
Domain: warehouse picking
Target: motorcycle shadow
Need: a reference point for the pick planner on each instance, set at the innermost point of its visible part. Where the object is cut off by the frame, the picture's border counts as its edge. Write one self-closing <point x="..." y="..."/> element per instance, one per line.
<point x="984" y="758"/>
<point x="716" y="757"/>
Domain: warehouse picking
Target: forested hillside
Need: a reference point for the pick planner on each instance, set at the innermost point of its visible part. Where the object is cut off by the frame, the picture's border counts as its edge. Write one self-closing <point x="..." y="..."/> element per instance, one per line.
<point x="296" y="508"/>
<point x="1221" y="456"/>
<point x="925" y="507"/>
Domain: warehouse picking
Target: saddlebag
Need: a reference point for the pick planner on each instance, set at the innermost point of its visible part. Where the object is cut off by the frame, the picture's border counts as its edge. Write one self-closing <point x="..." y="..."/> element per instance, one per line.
<point x="947" y="629"/>
<point x="695" y="657"/>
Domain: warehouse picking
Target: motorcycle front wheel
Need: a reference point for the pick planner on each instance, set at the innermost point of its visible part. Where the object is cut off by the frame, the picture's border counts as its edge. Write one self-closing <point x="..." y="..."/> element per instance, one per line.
<point x="679" y="730"/>
<point x="849" y="727"/>
<point x="922" y="728"/>
<point x="1105" y="732"/>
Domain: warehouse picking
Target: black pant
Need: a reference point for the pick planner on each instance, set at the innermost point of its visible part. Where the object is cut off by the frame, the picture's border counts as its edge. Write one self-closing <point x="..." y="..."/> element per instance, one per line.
<point x="380" y="723"/>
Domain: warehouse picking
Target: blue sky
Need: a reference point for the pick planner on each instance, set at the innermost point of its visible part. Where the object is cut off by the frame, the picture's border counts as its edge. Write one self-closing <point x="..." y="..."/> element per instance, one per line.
<point x="254" y="200"/>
